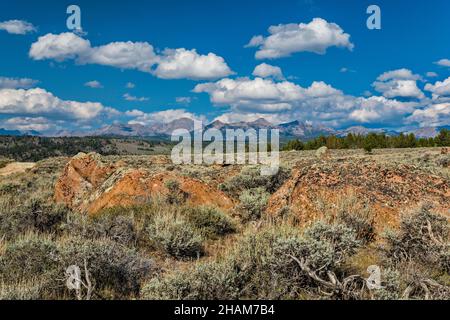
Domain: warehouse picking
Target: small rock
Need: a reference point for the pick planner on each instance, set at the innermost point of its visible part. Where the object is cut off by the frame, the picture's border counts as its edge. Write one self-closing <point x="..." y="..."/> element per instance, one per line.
<point x="322" y="153"/>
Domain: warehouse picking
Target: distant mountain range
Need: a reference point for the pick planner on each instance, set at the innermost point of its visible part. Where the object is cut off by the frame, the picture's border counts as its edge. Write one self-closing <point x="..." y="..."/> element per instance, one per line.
<point x="5" y="132"/>
<point x="290" y="130"/>
<point x="428" y="132"/>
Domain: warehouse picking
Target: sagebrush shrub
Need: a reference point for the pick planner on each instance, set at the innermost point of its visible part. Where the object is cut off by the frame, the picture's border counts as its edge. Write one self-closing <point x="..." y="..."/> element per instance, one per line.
<point x="114" y="268"/>
<point x="250" y="178"/>
<point x="175" y="194"/>
<point x="211" y="222"/>
<point x="358" y="216"/>
<point x="260" y="266"/>
<point x="423" y="237"/>
<point x="391" y="285"/>
<point x="30" y="256"/>
<point x="175" y="236"/>
<point x="205" y="281"/>
<point x="329" y="244"/>
<point x="266" y="264"/>
<point x="34" y="215"/>
<point x="252" y="204"/>
<point x="117" y="224"/>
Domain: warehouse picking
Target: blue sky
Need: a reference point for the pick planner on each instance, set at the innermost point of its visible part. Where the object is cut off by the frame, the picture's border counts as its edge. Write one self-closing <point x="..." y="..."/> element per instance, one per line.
<point x="329" y="63"/>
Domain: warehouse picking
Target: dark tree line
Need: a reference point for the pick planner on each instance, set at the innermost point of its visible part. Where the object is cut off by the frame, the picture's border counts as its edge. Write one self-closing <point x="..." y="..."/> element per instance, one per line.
<point x="370" y="141"/>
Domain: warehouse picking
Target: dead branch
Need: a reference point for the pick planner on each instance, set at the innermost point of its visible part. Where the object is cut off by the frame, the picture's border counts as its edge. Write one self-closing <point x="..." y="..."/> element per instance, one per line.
<point x="339" y="288"/>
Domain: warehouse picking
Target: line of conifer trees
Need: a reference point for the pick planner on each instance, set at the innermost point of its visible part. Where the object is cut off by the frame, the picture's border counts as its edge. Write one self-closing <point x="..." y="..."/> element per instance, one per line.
<point x="370" y="141"/>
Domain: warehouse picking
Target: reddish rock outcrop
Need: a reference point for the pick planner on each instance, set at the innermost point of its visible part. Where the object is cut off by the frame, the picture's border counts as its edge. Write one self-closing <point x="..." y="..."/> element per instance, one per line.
<point x="90" y="185"/>
<point x="388" y="189"/>
<point x="81" y="176"/>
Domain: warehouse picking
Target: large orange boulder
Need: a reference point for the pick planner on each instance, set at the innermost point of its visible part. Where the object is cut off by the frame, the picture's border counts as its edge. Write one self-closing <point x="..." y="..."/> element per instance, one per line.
<point x="90" y="185"/>
<point x="81" y="176"/>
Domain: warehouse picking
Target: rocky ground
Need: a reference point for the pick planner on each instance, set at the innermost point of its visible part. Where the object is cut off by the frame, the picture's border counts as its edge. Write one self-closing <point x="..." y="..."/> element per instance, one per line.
<point x="389" y="182"/>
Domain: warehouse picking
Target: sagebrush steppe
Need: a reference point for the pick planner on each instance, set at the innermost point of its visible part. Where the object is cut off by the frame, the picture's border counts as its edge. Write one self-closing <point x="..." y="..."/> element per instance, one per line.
<point x="225" y="232"/>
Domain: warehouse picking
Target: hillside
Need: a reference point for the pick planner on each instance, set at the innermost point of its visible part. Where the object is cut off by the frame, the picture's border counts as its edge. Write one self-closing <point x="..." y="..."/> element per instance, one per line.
<point x="28" y="148"/>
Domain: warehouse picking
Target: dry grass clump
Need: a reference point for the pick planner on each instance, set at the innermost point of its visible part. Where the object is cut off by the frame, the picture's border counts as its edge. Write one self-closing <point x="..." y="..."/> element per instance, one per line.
<point x="21" y="290"/>
<point x="348" y="209"/>
<point x="4" y="162"/>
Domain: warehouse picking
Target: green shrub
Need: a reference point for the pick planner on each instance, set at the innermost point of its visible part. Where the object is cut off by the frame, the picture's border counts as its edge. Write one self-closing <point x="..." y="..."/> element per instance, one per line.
<point x="28" y="257"/>
<point x="32" y="215"/>
<point x="267" y="270"/>
<point x="114" y="269"/>
<point x="211" y="222"/>
<point x="253" y="203"/>
<point x="175" y="236"/>
<point x="391" y="286"/>
<point x="354" y="213"/>
<point x="263" y="265"/>
<point x="250" y="178"/>
<point x="260" y="266"/>
<point x="175" y="195"/>
<point x="328" y="245"/>
<point x="116" y="224"/>
<point x="423" y="237"/>
<point x="205" y="281"/>
<point x="361" y="223"/>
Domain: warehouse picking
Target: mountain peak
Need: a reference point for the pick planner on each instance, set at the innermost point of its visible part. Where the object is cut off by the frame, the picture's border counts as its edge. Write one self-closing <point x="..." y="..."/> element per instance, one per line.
<point x="261" y="122"/>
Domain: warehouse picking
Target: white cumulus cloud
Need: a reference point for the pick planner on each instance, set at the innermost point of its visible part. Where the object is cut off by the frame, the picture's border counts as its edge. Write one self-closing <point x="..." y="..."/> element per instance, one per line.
<point x="399" y="74"/>
<point x="123" y="55"/>
<point x="286" y="39"/>
<point x="39" y="102"/>
<point x="39" y="124"/>
<point x="398" y="83"/>
<point x="443" y="63"/>
<point x="380" y="109"/>
<point x="17" y="27"/>
<point x="59" y="47"/>
<point x="265" y="95"/>
<point x="286" y="101"/>
<point x="129" y="97"/>
<point x="188" y="64"/>
<point x="17" y="83"/>
<point x="432" y="115"/>
<point x="94" y="84"/>
<point x="439" y="89"/>
<point x="170" y="64"/>
<point x="265" y="70"/>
